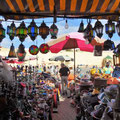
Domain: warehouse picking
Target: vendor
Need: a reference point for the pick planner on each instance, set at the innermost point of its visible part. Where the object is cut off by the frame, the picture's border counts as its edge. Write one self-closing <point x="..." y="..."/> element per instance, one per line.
<point x="108" y="69"/>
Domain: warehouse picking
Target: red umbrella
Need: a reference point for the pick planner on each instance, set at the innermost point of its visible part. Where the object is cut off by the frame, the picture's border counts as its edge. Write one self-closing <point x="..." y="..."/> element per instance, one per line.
<point x="70" y="41"/>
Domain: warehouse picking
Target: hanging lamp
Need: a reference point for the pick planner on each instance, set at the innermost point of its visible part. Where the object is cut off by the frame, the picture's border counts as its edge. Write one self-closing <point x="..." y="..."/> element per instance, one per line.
<point x="43" y="30"/>
<point x="81" y="28"/>
<point x="66" y="25"/>
<point x="53" y="31"/>
<point x="110" y="28"/>
<point x="12" y="53"/>
<point x="21" y="31"/>
<point x="118" y="27"/>
<point x="11" y="31"/>
<point x="33" y="50"/>
<point x="89" y="32"/>
<point x="33" y="30"/>
<point x="21" y="52"/>
<point x="98" y="29"/>
<point x="44" y="48"/>
<point x="2" y="33"/>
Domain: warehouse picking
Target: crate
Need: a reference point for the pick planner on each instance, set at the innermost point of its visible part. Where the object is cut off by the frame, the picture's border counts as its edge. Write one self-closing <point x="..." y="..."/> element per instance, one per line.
<point x="100" y="82"/>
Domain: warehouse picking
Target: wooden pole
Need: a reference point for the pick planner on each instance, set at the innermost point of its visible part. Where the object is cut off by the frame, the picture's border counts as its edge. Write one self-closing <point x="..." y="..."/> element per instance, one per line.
<point x="74" y="63"/>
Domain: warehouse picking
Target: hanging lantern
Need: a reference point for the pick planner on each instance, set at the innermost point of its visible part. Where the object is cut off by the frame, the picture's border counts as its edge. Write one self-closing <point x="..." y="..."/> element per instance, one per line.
<point x="12" y="53"/>
<point x="43" y="30"/>
<point x="33" y="50"/>
<point x="89" y="33"/>
<point x="32" y="30"/>
<point x="98" y="28"/>
<point x="2" y="32"/>
<point x="110" y="28"/>
<point x="44" y="48"/>
<point x="118" y="27"/>
<point x="53" y="31"/>
<point x="11" y="30"/>
<point x="21" y="32"/>
<point x="21" y="52"/>
<point x="81" y="28"/>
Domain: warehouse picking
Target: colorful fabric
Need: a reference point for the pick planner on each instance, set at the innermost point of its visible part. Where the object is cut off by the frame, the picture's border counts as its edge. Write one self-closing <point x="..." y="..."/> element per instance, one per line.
<point x="107" y="70"/>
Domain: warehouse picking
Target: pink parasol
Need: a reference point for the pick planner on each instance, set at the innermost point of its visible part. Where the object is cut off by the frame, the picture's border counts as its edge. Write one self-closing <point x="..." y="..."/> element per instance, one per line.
<point x="70" y="41"/>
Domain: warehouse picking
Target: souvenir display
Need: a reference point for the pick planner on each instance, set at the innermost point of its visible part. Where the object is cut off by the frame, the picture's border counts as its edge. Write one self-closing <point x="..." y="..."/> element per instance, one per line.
<point x="44" y="48"/>
<point x="33" y="50"/>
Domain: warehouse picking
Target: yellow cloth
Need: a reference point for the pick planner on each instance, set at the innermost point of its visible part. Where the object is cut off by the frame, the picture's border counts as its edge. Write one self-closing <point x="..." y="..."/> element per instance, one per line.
<point x="93" y="71"/>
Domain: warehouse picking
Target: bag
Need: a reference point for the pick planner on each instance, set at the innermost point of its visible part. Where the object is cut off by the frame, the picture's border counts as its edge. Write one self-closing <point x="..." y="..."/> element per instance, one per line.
<point x="107" y="115"/>
<point x="116" y="72"/>
<point x="98" y="50"/>
<point x="109" y="45"/>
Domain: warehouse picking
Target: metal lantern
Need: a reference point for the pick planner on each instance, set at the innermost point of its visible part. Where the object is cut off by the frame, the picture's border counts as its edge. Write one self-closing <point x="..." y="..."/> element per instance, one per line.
<point x="21" y="32"/>
<point x="89" y="33"/>
<point x="53" y="31"/>
<point x="12" y="53"/>
<point x="118" y="27"/>
<point x="81" y="28"/>
<point x="33" y="50"/>
<point x="44" y="48"/>
<point x="43" y="30"/>
<point x="32" y="30"/>
<point x="2" y="32"/>
<point x="11" y="31"/>
<point x="21" y="52"/>
<point x="98" y="28"/>
<point x="110" y="28"/>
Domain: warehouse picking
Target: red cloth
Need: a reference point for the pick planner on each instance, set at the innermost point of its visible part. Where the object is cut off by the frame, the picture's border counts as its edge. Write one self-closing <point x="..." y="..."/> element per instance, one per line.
<point x="23" y="84"/>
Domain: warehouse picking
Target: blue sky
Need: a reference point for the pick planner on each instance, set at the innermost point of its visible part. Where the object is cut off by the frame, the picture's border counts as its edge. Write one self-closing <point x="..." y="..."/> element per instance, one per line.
<point x="73" y="27"/>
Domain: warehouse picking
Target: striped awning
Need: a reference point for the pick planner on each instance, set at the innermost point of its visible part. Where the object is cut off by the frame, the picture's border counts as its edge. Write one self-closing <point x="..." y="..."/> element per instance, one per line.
<point x="23" y="9"/>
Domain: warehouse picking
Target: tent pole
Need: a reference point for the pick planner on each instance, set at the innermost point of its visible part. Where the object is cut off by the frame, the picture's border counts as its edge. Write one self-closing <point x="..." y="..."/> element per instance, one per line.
<point x="74" y="63"/>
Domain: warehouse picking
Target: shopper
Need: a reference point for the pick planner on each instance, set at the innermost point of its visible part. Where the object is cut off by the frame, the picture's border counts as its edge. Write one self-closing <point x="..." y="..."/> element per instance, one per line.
<point x="64" y="72"/>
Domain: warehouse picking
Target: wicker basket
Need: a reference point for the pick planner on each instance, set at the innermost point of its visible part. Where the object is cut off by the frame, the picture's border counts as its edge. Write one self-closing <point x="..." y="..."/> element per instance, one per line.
<point x="100" y="82"/>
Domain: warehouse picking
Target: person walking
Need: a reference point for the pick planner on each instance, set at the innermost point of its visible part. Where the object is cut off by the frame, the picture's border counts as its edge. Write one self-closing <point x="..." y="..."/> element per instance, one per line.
<point x="64" y="72"/>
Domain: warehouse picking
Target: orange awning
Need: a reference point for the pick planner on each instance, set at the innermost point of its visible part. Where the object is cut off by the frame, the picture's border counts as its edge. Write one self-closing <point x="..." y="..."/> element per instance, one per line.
<point x="23" y="9"/>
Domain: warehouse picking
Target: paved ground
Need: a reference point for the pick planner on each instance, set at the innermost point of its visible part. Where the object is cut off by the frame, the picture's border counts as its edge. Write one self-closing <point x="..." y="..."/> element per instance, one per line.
<point x="65" y="111"/>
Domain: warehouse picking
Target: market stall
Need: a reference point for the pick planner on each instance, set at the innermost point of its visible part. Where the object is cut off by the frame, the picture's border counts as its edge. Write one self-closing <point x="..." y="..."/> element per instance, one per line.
<point x="28" y="94"/>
